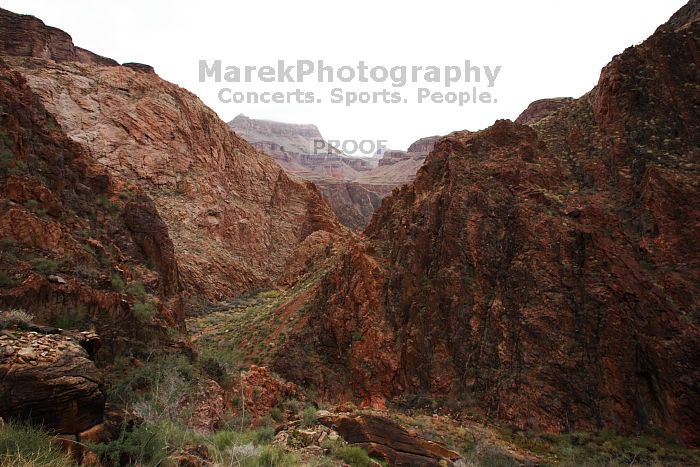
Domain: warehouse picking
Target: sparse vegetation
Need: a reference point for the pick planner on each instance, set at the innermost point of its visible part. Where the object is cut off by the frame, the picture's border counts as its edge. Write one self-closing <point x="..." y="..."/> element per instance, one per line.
<point x="308" y="416"/>
<point x="353" y="455"/>
<point x="15" y="317"/>
<point x="75" y="318"/>
<point x="44" y="265"/>
<point x="136" y="289"/>
<point x="7" y="281"/>
<point x="7" y="243"/>
<point x="22" y="445"/>
<point x="144" y="311"/>
<point x="31" y="204"/>
<point x="117" y="283"/>
<point x="143" y="444"/>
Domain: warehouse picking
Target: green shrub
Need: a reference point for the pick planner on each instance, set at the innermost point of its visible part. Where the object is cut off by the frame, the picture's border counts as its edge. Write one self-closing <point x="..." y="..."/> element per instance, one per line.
<point x="143" y="311"/>
<point x="7" y="243"/>
<point x="268" y="294"/>
<point x="44" y="265"/>
<point x="228" y="358"/>
<point x="215" y="370"/>
<point x="277" y="414"/>
<point x="353" y="455"/>
<point x="224" y="439"/>
<point x="271" y="456"/>
<point x="264" y="434"/>
<point x="23" y="445"/>
<point x="136" y="290"/>
<point x="7" y="281"/>
<point x="6" y="159"/>
<point x="117" y="282"/>
<point x="31" y="204"/>
<point x="142" y="445"/>
<point x="308" y="416"/>
<point x="144" y="381"/>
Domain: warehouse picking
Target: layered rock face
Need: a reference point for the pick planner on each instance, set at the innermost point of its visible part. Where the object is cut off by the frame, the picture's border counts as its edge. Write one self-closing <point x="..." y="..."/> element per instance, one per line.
<point x="548" y="272"/>
<point x="302" y="151"/>
<point x="234" y="216"/>
<point x="387" y="440"/>
<point x="397" y="168"/>
<point x="353" y="186"/>
<point x="288" y="137"/>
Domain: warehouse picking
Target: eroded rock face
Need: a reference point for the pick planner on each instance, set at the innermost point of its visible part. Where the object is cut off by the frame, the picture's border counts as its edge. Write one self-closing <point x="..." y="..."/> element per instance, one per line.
<point x="302" y="151"/>
<point x="352" y="203"/>
<point x="234" y="216"/>
<point x="64" y="237"/>
<point x="548" y="271"/>
<point x="292" y="138"/>
<point x="49" y="380"/>
<point x="150" y="233"/>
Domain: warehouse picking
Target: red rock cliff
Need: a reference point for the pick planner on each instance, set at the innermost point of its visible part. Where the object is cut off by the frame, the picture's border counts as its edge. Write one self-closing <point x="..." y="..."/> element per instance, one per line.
<point x="550" y="273"/>
<point x="234" y="215"/>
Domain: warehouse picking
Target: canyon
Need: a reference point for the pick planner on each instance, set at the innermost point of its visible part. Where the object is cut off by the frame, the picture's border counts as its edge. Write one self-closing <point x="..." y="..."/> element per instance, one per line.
<point x="176" y="290"/>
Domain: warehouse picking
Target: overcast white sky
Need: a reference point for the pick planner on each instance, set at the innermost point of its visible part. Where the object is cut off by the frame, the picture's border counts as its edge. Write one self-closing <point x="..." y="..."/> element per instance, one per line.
<point x="546" y="48"/>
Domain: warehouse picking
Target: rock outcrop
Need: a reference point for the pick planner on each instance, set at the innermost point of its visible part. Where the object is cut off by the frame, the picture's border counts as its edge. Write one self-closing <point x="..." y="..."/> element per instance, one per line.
<point x="547" y="274"/>
<point x="387" y="440"/>
<point x="28" y="36"/>
<point x="50" y="380"/>
<point x="542" y="108"/>
<point x="397" y="168"/>
<point x="234" y="216"/>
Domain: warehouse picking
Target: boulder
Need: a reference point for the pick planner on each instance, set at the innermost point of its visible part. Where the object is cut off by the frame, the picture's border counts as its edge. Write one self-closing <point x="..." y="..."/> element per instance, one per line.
<point x="49" y="380"/>
<point x="387" y="440"/>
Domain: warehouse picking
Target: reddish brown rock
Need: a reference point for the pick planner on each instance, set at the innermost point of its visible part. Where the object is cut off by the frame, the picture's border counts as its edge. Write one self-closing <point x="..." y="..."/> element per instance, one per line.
<point x="49" y="380"/>
<point x="234" y="216"/>
<point x="352" y="186"/>
<point x="28" y="36"/>
<point x="548" y="272"/>
<point x="385" y="439"/>
<point x="540" y="109"/>
<point x="64" y="238"/>
<point x="150" y="233"/>
<point x="208" y="408"/>
<point x="262" y="391"/>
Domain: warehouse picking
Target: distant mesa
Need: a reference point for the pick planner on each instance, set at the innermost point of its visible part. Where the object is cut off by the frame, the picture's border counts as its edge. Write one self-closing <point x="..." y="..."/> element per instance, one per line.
<point x="353" y="186"/>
